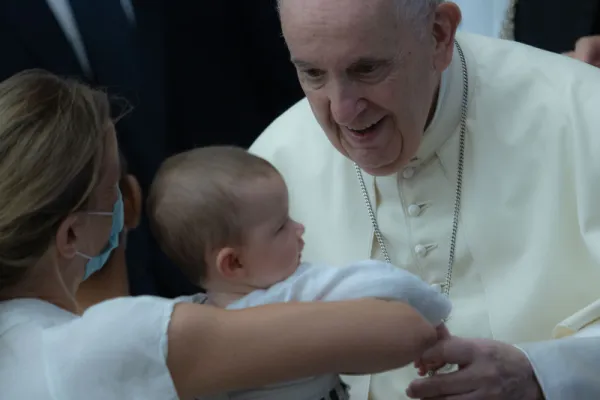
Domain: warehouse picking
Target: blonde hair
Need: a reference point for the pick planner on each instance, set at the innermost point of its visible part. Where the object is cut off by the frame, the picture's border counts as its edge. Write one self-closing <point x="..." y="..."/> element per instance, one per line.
<point x="195" y="203"/>
<point x="52" y="144"/>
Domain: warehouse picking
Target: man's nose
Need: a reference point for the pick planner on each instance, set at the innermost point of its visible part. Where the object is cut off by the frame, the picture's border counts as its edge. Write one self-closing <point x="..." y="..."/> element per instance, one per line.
<point x="346" y="103"/>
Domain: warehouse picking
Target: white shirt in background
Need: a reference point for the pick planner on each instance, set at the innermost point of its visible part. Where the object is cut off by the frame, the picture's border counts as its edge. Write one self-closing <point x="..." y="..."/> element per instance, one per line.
<point x="484" y="17"/>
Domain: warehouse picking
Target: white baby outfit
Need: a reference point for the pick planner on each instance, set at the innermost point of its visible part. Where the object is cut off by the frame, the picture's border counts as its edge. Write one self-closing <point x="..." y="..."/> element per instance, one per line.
<point x="313" y="282"/>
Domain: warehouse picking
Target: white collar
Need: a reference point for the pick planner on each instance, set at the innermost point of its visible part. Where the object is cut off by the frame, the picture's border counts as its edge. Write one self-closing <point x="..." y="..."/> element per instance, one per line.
<point x="447" y="115"/>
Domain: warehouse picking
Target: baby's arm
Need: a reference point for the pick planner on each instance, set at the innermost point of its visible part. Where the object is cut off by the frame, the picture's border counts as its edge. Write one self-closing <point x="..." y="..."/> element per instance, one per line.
<point x="359" y="280"/>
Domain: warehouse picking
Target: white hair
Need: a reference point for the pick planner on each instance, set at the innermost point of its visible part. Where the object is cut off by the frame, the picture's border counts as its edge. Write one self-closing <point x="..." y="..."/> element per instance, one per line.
<point x="416" y="12"/>
<point x="417" y="9"/>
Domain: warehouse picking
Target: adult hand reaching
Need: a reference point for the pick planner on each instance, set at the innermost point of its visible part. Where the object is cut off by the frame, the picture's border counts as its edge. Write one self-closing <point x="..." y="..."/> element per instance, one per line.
<point x="587" y="49"/>
<point x="488" y="370"/>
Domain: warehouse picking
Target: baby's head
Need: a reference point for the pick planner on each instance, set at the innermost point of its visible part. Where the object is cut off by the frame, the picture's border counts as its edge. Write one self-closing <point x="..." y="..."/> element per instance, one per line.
<point x="221" y="214"/>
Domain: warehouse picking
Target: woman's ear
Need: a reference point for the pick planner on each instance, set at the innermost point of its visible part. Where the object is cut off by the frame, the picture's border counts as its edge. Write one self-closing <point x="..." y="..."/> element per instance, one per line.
<point x="67" y="237"/>
<point x="132" y="201"/>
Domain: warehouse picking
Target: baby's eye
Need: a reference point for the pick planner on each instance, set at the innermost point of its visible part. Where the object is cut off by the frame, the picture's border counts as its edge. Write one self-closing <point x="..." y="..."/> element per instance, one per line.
<point x="282" y="227"/>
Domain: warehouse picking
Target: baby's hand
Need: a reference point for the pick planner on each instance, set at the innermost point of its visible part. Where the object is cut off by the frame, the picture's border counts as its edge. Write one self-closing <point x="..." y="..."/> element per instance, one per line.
<point x="442" y="334"/>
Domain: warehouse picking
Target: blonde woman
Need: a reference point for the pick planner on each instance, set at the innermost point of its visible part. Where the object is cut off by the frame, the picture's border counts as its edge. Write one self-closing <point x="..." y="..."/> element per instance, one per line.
<point x="113" y="280"/>
<point x="60" y="216"/>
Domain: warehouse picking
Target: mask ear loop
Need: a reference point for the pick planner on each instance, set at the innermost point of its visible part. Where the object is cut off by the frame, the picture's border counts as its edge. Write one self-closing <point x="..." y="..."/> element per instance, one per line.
<point x="83" y="255"/>
<point x="100" y="213"/>
<point x="103" y="213"/>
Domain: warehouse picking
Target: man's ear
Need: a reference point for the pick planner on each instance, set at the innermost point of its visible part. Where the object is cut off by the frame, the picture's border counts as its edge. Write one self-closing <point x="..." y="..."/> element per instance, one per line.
<point x="228" y="263"/>
<point x="447" y="18"/>
<point x="132" y="201"/>
<point x="67" y="237"/>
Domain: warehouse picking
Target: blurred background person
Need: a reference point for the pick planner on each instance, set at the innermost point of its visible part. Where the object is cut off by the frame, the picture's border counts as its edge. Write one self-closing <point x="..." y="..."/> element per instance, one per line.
<point x="570" y="27"/>
<point x="230" y="71"/>
<point x="554" y="25"/>
<point x="193" y="74"/>
<point x="116" y="45"/>
<point x="229" y="76"/>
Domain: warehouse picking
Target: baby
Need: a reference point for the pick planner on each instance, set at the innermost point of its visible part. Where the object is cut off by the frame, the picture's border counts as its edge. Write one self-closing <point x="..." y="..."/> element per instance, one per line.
<point x="222" y="215"/>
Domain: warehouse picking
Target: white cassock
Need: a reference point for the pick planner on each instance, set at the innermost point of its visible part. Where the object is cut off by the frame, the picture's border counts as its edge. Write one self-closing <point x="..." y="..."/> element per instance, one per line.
<point x="527" y="266"/>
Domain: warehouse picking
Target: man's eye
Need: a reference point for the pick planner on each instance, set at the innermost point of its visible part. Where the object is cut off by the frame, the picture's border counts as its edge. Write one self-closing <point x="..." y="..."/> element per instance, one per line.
<point x="365" y="69"/>
<point x="312" y="73"/>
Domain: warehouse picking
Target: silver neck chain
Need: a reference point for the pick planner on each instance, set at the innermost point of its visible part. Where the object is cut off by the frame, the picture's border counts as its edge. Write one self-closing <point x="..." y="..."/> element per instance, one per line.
<point x="459" y="176"/>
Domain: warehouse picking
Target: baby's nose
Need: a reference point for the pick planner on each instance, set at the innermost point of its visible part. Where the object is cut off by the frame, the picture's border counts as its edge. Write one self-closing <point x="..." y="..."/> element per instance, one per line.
<point x="301" y="229"/>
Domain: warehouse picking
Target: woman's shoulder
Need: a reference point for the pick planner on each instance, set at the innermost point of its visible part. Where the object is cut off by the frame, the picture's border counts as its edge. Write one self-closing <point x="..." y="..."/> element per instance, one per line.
<point x="45" y="315"/>
<point x="116" y="349"/>
<point x="156" y="306"/>
<point x="128" y="324"/>
<point x="22" y="370"/>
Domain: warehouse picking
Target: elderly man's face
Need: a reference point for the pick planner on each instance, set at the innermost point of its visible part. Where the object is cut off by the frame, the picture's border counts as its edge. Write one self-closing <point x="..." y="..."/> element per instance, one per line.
<point x="369" y="78"/>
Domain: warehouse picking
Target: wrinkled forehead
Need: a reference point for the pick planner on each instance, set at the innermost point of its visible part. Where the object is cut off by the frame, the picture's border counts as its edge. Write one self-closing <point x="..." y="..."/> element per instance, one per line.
<point x="318" y="29"/>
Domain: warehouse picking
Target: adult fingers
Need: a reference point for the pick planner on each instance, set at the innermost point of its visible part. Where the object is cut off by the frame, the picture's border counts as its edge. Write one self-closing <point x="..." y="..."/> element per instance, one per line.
<point x="454" y="350"/>
<point x="587" y="49"/>
<point x="426" y="368"/>
<point x="459" y="383"/>
<point x="476" y="395"/>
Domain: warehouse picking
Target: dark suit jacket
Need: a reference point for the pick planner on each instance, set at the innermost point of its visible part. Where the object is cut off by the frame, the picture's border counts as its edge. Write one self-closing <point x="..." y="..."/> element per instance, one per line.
<point x="30" y="37"/>
<point x="228" y="77"/>
<point x="211" y="73"/>
<point x="230" y="71"/>
<point x="555" y="25"/>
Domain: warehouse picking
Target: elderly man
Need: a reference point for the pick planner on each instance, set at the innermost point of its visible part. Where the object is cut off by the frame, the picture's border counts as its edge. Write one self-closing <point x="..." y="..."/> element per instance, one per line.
<point x="471" y="161"/>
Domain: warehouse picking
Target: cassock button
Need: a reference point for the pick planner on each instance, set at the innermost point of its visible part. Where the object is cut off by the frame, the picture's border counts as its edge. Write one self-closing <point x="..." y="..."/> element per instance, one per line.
<point x="408" y="173"/>
<point x="421" y="250"/>
<point x="437" y="287"/>
<point x="414" y="210"/>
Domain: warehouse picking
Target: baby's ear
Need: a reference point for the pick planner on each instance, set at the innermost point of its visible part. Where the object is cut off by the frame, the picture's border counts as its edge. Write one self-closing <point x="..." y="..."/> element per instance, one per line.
<point x="132" y="201"/>
<point x="228" y="264"/>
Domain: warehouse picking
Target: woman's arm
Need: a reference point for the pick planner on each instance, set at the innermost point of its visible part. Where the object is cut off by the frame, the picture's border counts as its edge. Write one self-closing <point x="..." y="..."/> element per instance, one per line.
<point x="212" y="350"/>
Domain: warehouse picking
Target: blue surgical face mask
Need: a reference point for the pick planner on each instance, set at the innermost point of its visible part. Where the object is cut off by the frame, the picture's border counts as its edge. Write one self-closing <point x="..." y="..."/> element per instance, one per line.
<point x="96" y="263"/>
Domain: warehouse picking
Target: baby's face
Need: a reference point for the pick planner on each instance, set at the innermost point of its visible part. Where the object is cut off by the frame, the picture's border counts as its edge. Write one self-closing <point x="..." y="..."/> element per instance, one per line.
<point x="273" y="245"/>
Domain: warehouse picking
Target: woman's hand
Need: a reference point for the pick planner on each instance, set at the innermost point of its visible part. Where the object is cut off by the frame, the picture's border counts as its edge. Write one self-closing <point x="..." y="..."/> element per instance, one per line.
<point x="424" y="367"/>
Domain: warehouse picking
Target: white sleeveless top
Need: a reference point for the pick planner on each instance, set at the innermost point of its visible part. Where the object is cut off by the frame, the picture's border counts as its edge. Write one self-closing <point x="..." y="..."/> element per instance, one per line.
<point x="116" y="350"/>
